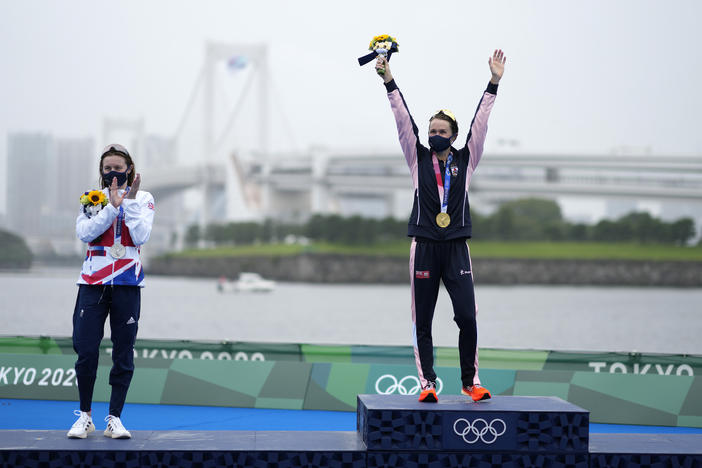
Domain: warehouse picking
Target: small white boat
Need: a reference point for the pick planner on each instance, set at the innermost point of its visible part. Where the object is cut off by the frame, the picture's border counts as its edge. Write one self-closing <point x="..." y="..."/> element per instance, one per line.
<point x="247" y="282"/>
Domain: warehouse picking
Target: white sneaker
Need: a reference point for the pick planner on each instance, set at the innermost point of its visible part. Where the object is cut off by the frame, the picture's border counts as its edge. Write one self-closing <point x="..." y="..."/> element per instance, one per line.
<point x="82" y="427"/>
<point x="115" y="429"/>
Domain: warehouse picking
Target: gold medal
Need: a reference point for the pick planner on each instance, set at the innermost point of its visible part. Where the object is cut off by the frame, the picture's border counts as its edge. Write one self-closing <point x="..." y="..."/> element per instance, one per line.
<point x="443" y="220"/>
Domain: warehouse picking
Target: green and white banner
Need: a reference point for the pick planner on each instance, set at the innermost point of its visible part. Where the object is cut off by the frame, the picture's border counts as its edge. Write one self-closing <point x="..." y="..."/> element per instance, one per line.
<point x="612" y="363"/>
<point x="615" y="398"/>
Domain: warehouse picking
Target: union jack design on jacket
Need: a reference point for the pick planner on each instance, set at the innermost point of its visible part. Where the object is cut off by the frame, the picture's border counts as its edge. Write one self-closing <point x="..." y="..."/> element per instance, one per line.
<point x="99" y="232"/>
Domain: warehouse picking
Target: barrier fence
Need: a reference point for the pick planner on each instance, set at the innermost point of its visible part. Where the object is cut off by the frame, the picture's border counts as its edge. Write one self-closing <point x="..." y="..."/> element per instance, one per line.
<point x="598" y="362"/>
<point x="617" y="388"/>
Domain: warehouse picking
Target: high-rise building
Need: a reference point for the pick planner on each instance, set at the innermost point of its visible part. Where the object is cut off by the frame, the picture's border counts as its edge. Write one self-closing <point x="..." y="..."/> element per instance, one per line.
<point x="45" y="177"/>
<point x="29" y="184"/>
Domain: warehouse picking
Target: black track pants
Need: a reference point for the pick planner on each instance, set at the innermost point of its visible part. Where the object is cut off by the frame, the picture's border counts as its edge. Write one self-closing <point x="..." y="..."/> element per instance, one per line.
<point x="431" y="261"/>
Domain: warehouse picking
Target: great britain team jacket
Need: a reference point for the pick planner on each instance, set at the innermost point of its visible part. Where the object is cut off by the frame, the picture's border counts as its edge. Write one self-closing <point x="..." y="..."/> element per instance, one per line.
<point x="99" y="232"/>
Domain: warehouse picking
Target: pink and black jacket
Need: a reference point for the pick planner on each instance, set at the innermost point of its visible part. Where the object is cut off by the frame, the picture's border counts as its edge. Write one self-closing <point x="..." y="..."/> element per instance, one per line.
<point x="420" y="159"/>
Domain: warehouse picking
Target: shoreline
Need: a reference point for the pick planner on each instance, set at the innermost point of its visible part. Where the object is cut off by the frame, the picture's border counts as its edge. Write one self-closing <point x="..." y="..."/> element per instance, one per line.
<point x="340" y="269"/>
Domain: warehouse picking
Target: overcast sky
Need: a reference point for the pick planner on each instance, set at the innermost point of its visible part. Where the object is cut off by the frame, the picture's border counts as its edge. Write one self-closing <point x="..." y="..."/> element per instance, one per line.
<point x="580" y="76"/>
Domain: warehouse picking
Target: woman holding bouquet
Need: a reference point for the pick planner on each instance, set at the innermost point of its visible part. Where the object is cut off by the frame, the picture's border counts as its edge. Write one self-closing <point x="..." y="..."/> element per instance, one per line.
<point x="115" y="222"/>
<point x="440" y="225"/>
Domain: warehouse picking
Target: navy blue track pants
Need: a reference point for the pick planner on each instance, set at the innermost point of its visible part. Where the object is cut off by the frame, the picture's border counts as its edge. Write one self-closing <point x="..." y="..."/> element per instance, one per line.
<point x="93" y="305"/>
<point x="430" y="262"/>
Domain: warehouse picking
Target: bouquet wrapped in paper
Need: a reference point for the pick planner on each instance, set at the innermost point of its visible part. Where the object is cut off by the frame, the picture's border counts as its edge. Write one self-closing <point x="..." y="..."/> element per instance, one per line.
<point x="383" y="45"/>
<point x="93" y="202"/>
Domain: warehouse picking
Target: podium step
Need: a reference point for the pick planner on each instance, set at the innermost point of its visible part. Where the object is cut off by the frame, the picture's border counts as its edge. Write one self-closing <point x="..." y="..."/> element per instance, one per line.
<point x="537" y="425"/>
<point x="393" y="431"/>
<point x="645" y="450"/>
<point x="300" y="449"/>
<point x="184" y="449"/>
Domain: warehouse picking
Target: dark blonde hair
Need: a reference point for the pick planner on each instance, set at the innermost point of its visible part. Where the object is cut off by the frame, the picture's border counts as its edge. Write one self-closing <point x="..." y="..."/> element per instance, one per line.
<point x="441" y="116"/>
<point x="115" y="149"/>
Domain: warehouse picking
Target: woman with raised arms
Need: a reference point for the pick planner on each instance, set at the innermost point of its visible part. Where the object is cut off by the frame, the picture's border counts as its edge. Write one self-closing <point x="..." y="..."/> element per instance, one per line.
<point x="440" y="225"/>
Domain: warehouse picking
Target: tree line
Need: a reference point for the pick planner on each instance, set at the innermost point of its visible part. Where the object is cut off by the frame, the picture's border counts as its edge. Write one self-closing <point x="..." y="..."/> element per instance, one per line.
<point x="529" y="219"/>
<point x="533" y="219"/>
<point x="14" y="252"/>
<point x="352" y="230"/>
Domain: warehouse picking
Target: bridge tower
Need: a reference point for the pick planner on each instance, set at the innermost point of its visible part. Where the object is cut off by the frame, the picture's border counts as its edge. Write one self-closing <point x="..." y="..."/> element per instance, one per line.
<point x="236" y="55"/>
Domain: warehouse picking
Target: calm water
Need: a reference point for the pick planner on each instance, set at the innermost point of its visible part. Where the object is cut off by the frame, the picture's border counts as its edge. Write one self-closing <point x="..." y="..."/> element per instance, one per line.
<point x="540" y="317"/>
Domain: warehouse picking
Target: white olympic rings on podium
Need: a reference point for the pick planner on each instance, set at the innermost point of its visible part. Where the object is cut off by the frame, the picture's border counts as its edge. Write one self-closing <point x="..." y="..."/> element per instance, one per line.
<point x="479" y="429"/>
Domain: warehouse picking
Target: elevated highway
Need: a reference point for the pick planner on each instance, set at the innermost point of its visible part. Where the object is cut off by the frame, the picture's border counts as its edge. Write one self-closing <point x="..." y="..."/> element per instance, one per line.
<point x="320" y="182"/>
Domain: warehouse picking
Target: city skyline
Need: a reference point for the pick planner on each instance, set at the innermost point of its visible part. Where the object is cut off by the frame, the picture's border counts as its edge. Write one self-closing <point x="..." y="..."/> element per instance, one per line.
<point x="600" y="78"/>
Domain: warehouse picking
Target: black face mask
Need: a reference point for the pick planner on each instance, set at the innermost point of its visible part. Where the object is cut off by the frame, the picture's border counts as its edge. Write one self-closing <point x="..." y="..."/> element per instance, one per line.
<point x="121" y="177"/>
<point x="439" y="143"/>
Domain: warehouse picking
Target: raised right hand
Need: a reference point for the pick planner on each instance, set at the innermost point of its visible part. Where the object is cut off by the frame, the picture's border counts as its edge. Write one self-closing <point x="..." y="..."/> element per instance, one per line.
<point x="382" y="63"/>
<point x="134" y="188"/>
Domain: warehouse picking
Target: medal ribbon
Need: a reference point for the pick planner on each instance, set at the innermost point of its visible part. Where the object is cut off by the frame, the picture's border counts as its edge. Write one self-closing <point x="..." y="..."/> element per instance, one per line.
<point x="118" y="221"/>
<point x="446" y="185"/>
<point x="118" y="226"/>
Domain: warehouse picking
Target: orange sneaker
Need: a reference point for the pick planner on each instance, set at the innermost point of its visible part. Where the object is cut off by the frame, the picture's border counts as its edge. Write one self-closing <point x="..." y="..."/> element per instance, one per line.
<point x="476" y="392"/>
<point x="428" y="394"/>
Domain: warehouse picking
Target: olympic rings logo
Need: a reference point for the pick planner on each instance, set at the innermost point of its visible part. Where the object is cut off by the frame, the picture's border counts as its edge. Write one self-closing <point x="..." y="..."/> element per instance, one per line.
<point x="479" y="430"/>
<point x="408" y="385"/>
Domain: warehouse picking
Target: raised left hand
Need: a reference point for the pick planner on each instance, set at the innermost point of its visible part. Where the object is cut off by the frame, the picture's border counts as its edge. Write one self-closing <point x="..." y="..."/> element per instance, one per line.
<point x="497" y="65"/>
<point x="134" y="187"/>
